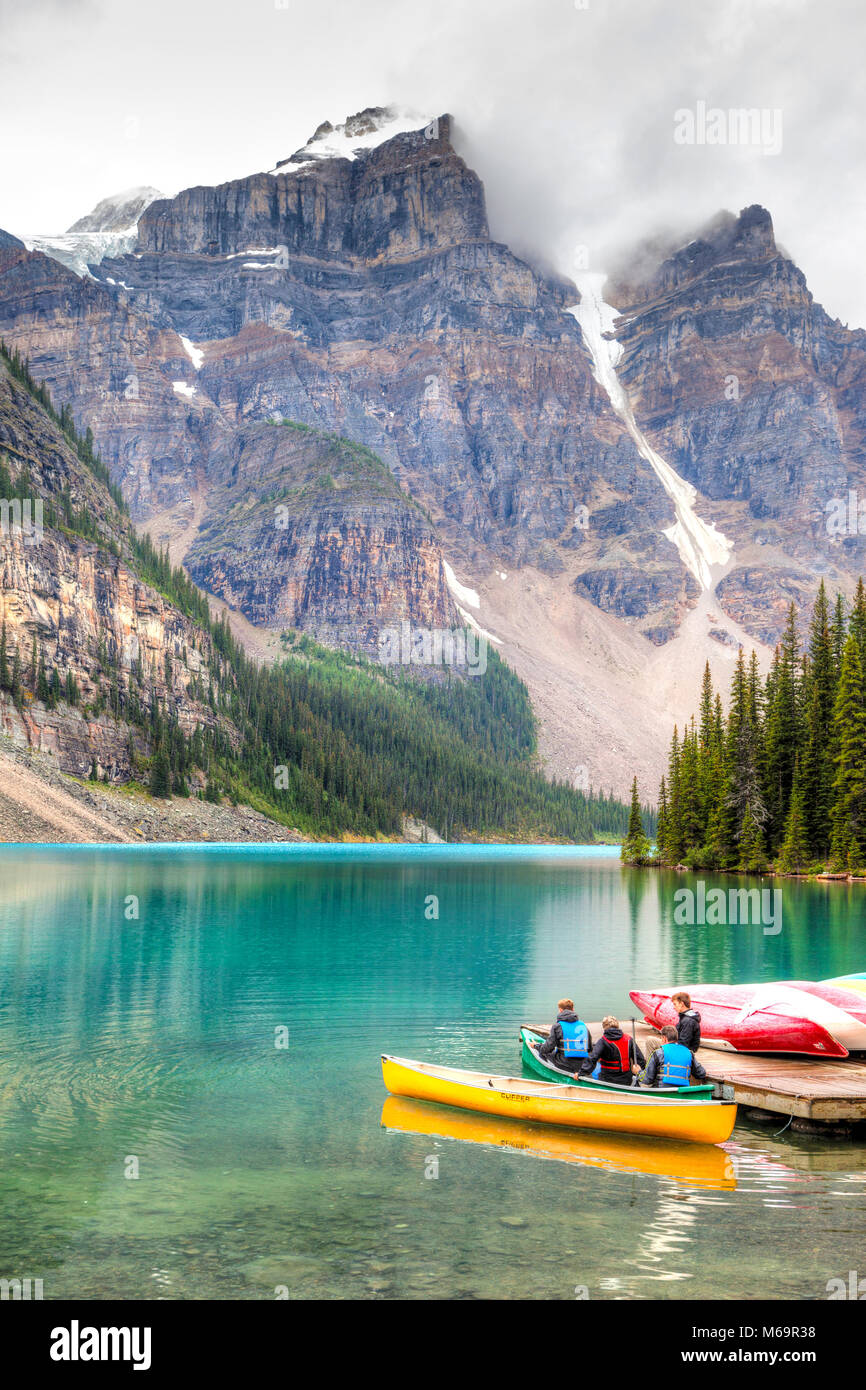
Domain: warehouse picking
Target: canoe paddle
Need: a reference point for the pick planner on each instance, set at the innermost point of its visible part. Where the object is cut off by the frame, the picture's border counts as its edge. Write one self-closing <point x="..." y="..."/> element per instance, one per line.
<point x="634" y="1040"/>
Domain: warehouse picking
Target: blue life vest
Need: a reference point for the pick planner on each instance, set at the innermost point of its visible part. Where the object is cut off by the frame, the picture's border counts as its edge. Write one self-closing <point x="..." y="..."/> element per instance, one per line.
<point x="575" y="1037"/>
<point x="676" y="1065"/>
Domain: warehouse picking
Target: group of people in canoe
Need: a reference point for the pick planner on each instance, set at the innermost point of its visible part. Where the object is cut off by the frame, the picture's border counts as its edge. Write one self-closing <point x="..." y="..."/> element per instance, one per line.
<point x="616" y="1058"/>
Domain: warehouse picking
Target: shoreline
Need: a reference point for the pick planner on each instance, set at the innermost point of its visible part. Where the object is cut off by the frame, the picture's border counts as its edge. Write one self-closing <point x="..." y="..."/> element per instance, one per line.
<point x="40" y="805"/>
<point x="825" y="875"/>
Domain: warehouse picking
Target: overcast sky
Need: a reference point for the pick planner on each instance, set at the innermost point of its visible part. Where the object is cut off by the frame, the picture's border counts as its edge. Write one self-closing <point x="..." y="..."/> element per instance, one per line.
<point x="567" y="108"/>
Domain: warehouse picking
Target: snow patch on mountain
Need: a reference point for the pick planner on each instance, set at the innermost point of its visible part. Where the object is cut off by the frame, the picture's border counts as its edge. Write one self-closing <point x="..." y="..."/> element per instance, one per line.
<point x="700" y="545"/>
<point x="461" y="596"/>
<point x="353" y="136"/>
<point x="460" y="592"/>
<point x="195" y="355"/>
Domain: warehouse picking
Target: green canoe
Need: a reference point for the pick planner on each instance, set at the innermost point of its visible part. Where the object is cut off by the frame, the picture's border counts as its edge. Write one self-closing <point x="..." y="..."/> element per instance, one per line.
<point x="540" y="1067"/>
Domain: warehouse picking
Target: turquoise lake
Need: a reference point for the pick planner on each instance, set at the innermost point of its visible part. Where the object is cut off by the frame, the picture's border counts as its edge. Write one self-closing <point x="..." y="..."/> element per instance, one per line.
<point x="213" y="1018"/>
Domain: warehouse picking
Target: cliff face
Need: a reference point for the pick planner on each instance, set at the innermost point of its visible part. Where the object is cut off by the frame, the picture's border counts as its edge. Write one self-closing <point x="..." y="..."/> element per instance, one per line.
<point x="115" y="367"/>
<point x="366" y="297"/>
<point x="88" y="611"/>
<point x="757" y="397"/>
<point x="410" y="195"/>
<point x="362" y="296"/>
<point x="74" y="599"/>
<point x="309" y="531"/>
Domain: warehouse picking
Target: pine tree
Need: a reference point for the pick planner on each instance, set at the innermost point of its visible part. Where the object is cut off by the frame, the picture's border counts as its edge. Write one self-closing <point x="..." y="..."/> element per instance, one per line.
<point x="636" y="848"/>
<point x="15" y="683"/>
<point x="819" y="696"/>
<point x="743" y="783"/>
<point x="662" y="824"/>
<point x="706" y="744"/>
<point x="784" y="729"/>
<point x="691" y="817"/>
<point x="848" y="842"/>
<point x="837" y="637"/>
<point x="857" y="621"/>
<point x="42" y="683"/>
<point x="752" y="855"/>
<point x="674" y="831"/>
<point x="160" y="774"/>
<point x="794" y="856"/>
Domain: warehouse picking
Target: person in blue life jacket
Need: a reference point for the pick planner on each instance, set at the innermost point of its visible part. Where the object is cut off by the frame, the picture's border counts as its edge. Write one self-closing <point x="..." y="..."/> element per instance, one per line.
<point x="569" y="1041"/>
<point x="672" y="1063"/>
<point x="618" y="1057"/>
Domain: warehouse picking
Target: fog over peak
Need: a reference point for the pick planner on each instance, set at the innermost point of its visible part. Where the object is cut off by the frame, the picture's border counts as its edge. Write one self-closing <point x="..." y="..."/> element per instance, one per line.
<point x="595" y="124"/>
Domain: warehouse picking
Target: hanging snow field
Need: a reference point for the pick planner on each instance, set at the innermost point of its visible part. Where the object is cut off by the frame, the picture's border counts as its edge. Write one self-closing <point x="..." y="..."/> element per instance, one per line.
<point x="700" y="545"/>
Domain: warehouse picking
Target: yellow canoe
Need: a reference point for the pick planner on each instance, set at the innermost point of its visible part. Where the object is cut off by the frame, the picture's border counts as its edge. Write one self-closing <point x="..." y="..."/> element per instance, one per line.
<point x="698" y="1165"/>
<point x="694" y="1121"/>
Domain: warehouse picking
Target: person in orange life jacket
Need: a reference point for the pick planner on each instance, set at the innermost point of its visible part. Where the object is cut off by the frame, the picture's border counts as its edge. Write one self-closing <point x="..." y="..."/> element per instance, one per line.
<point x="689" y="1021"/>
<point x="672" y="1063"/>
<point x="620" y="1057"/>
<point x="569" y="1041"/>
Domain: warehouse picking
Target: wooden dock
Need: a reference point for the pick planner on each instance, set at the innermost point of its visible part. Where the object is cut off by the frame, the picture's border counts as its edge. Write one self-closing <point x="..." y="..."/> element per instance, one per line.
<point x="812" y="1092"/>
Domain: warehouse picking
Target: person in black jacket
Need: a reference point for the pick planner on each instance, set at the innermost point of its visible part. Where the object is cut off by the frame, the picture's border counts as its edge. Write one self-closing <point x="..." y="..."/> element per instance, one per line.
<point x="620" y="1057"/>
<point x="554" y="1047"/>
<point x="689" y="1021"/>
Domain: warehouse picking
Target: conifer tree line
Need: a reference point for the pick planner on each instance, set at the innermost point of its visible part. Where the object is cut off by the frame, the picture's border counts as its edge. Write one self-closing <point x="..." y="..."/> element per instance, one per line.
<point x="779" y="778"/>
<point x="83" y="444"/>
<point x="324" y="741"/>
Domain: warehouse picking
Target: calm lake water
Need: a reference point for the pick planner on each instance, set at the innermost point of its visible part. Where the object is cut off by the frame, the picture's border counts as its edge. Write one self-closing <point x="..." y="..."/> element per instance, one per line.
<point x="149" y="1041"/>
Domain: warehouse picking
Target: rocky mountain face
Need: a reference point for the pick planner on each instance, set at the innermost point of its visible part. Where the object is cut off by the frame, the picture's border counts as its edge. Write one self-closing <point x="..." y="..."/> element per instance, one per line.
<point x="365" y="297"/>
<point x="85" y="606"/>
<point x="116" y="369"/>
<point x="309" y="531"/>
<point x="356" y="291"/>
<point x="758" y="398"/>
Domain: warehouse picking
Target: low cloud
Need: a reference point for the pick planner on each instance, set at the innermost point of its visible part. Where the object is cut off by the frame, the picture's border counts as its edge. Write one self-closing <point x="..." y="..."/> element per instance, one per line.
<point x="567" y="110"/>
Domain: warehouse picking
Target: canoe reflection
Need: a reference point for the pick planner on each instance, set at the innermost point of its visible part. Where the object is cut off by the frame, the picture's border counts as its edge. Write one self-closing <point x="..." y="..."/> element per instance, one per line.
<point x="699" y="1165"/>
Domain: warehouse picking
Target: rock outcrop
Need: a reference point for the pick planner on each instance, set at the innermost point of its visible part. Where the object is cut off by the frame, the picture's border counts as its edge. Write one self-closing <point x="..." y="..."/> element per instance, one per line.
<point x="88" y="611"/>
<point x="758" y="398"/>
<point x="309" y="531"/>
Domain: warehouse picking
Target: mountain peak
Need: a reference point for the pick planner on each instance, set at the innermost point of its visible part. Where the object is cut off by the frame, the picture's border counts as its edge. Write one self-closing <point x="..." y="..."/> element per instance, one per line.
<point x="363" y="131"/>
<point x="119" y="212"/>
<point x="750" y="234"/>
<point x="8" y="240"/>
<point x="664" y="261"/>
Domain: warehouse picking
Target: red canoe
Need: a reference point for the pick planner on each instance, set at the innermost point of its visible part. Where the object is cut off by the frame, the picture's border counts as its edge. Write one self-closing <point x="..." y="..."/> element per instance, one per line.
<point x="791" y="1016"/>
